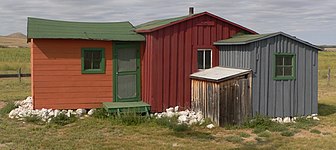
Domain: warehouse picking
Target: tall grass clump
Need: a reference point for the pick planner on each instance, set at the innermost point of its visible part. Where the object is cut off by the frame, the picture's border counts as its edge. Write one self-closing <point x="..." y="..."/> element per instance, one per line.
<point x="8" y="108"/>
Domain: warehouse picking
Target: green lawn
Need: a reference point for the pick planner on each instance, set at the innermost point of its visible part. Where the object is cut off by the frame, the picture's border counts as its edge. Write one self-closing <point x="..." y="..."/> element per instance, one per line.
<point x="93" y="133"/>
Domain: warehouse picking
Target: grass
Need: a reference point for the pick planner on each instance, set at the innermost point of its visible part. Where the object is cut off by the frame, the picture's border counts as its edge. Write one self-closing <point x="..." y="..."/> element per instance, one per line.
<point x="14" y="58"/>
<point x="103" y="132"/>
<point x="7" y="108"/>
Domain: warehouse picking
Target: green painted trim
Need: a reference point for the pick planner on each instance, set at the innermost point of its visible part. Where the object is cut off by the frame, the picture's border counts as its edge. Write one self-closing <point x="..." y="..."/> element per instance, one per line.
<point x="293" y="76"/>
<point x="102" y="62"/>
<point x="115" y="47"/>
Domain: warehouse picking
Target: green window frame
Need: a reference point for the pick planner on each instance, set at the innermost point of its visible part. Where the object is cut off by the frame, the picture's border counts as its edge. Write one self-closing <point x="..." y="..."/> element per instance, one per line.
<point x="90" y="64"/>
<point x="284" y="66"/>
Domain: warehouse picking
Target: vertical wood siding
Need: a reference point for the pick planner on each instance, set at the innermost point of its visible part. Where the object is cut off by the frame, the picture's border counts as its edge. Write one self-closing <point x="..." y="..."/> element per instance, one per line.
<point x="57" y="81"/>
<point x="227" y="102"/>
<point x="171" y="56"/>
<point x="277" y="97"/>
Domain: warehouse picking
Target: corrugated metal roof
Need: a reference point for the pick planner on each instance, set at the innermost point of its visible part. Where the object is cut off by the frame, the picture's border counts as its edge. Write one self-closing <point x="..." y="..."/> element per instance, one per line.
<point x="54" y="29"/>
<point x="218" y="73"/>
<point x="249" y="38"/>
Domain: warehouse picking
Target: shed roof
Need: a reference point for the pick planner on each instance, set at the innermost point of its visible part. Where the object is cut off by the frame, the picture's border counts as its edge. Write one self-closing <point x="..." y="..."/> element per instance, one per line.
<point x="54" y="29"/>
<point x="249" y="38"/>
<point x="162" y="23"/>
<point x="217" y="74"/>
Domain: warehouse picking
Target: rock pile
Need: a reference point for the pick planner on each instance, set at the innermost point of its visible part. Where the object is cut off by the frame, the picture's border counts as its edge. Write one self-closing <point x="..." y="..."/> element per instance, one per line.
<point x="188" y="117"/>
<point x="292" y="119"/>
<point x="25" y="109"/>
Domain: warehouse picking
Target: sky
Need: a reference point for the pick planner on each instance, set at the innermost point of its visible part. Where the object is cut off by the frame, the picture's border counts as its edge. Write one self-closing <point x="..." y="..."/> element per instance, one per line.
<point x="310" y="20"/>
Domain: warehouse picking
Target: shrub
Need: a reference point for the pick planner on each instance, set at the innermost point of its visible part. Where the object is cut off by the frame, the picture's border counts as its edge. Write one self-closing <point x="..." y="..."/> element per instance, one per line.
<point x="63" y="119"/>
<point x="262" y="123"/>
<point x="8" y="108"/>
<point x="172" y="124"/>
<point x="234" y="139"/>
<point x="244" y="135"/>
<point x="100" y="113"/>
<point x="132" y="118"/>
<point x="287" y="133"/>
<point x="315" y="131"/>
<point x="265" y="134"/>
<point x="34" y="119"/>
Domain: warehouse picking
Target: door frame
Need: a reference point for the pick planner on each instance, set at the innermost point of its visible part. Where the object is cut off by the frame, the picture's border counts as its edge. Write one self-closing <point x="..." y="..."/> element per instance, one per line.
<point x="115" y="47"/>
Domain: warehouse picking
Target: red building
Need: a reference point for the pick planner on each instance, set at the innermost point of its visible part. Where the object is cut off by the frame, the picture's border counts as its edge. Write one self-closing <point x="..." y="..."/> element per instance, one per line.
<point x="171" y="55"/>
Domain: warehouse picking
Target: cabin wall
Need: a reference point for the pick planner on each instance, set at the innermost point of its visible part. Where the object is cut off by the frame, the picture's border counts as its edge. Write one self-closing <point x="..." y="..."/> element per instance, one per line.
<point x="171" y="56"/>
<point x="57" y="81"/>
<point x="279" y="98"/>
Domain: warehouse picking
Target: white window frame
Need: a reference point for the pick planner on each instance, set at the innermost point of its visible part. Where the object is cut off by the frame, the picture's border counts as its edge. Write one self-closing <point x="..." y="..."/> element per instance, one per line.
<point x="205" y="49"/>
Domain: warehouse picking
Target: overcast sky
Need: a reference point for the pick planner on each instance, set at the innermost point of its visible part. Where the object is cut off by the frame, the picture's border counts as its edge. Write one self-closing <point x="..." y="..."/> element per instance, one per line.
<point x="310" y="20"/>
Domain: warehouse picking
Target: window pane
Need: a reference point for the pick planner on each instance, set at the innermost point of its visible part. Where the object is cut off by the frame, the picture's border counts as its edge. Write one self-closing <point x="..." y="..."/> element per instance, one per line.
<point x="207" y="59"/>
<point x="87" y="59"/>
<point x="279" y="71"/>
<point x="200" y="59"/>
<point x="96" y="64"/>
<point x="287" y="71"/>
<point x="96" y="55"/>
<point x="288" y="60"/>
<point x="279" y="60"/>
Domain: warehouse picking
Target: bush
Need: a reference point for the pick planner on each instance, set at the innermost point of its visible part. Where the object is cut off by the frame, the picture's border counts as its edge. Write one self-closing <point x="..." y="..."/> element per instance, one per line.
<point x="8" y="108"/>
<point x="132" y="118"/>
<point x="100" y="113"/>
<point x="234" y="139"/>
<point x="172" y="124"/>
<point x="287" y="133"/>
<point x="315" y="131"/>
<point x="265" y="134"/>
<point x="262" y="123"/>
<point x="244" y="135"/>
<point x="63" y="119"/>
<point x="34" y="119"/>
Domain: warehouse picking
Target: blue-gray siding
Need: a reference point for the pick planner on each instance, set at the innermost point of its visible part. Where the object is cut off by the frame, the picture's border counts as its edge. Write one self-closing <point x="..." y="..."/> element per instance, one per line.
<point x="277" y="97"/>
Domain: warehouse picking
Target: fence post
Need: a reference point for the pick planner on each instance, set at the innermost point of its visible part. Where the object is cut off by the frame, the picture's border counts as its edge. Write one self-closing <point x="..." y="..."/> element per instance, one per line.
<point x="19" y="74"/>
<point x="328" y="76"/>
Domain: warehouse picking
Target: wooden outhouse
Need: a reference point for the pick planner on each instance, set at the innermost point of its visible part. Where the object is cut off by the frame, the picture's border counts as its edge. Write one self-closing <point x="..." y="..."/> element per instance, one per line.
<point x="284" y="71"/>
<point x="222" y="94"/>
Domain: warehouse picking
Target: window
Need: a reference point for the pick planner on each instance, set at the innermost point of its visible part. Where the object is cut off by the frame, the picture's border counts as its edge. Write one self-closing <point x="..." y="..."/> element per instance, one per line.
<point x="93" y="60"/>
<point x="204" y="57"/>
<point x="284" y="66"/>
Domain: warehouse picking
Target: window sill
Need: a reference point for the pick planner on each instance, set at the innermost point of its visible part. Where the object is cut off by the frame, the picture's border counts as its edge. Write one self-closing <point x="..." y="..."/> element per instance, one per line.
<point x="284" y="78"/>
<point x="93" y="71"/>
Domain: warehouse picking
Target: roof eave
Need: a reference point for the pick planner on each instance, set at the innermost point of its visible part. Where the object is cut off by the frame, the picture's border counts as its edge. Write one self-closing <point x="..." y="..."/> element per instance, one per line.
<point x="194" y="16"/>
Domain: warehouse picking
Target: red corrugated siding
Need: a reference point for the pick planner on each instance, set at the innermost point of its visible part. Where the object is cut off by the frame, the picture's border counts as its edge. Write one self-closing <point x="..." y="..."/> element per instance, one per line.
<point x="170" y="57"/>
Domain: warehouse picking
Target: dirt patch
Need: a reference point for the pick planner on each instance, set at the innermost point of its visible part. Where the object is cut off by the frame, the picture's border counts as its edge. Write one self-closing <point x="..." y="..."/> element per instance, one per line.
<point x="2" y="104"/>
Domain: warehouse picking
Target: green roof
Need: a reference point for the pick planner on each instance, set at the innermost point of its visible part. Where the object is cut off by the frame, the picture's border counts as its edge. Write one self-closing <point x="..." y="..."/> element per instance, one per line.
<point x="243" y="39"/>
<point x="157" y="23"/>
<point x="53" y="29"/>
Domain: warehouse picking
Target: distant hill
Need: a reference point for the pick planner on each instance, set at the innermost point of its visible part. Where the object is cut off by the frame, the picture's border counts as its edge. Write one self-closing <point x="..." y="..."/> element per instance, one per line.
<point x="17" y="35"/>
<point x="328" y="47"/>
<point x="14" y="40"/>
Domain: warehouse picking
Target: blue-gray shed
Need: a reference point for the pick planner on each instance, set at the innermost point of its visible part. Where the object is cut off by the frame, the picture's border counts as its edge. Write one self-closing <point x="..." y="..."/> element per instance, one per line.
<point x="284" y="71"/>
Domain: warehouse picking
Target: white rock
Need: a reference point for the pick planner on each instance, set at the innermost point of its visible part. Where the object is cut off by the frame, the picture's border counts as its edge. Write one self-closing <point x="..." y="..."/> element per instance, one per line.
<point x="286" y="120"/>
<point x="210" y="126"/>
<point x="182" y="119"/>
<point x="192" y="121"/>
<point x="313" y="115"/>
<point x="170" y="114"/>
<point x="176" y="108"/>
<point x="80" y="112"/>
<point x="316" y="118"/>
<point x="308" y="117"/>
<point x="56" y="112"/>
<point x="91" y="111"/>
<point x="185" y="113"/>
<point x="171" y="109"/>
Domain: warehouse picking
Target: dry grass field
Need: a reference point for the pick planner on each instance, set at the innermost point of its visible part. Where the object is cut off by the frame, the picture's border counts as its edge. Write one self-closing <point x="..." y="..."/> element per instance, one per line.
<point x="113" y="133"/>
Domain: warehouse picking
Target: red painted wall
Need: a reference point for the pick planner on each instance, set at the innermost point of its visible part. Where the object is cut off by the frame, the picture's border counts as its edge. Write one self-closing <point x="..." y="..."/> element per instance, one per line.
<point x="170" y="56"/>
<point x="57" y="81"/>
